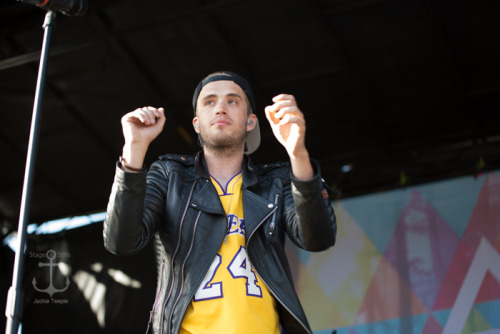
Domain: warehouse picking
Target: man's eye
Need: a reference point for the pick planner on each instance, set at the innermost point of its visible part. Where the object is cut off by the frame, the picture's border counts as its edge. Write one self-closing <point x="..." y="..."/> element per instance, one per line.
<point x="209" y="102"/>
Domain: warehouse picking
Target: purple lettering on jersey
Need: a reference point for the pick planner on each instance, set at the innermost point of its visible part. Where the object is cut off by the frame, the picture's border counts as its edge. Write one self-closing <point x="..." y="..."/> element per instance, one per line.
<point x="235" y="225"/>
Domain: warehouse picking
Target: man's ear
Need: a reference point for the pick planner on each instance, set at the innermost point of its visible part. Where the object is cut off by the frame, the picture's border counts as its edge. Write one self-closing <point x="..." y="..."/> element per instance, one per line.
<point x="196" y="125"/>
<point x="251" y="122"/>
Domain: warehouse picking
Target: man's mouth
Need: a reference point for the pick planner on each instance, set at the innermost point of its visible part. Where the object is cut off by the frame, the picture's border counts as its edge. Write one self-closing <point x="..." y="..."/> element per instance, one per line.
<point x="220" y="122"/>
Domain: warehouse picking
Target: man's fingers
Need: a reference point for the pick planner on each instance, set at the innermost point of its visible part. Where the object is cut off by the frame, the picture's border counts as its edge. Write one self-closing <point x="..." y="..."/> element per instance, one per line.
<point x="282" y="97"/>
<point x="284" y="104"/>
<point x="281" y="111"/>
<point x="288" y="119"/>
<point x="161" y="115"/>
<point x="292" y="111"/>
<point x="270" y="114"/>
<point x="146" y="115"/>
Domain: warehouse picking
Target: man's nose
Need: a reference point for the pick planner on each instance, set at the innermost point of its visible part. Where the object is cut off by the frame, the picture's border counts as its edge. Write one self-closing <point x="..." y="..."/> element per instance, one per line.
<point x="220" y="108"/>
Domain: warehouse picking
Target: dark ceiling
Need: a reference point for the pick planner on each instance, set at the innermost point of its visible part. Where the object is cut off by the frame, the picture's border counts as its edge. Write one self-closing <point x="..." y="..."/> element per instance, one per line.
<point x="405" y="91"/>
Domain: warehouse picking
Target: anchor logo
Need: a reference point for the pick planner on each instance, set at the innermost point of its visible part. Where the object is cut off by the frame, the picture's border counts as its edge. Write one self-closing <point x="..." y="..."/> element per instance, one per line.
<point x="51" y="289"/>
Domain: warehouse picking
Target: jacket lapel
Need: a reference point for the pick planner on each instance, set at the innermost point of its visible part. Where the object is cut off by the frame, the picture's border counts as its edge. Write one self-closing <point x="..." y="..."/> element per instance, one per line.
<point x="207" y="199"/>
<point x="256" y="210"/>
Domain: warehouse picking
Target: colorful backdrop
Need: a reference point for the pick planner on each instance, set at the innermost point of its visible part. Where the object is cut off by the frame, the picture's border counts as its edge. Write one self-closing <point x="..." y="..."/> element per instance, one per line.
<point x="416" y="260"/>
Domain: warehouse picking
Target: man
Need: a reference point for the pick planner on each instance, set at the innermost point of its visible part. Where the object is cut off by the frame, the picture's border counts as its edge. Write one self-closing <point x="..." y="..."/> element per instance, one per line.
<point x="219" y="221"/>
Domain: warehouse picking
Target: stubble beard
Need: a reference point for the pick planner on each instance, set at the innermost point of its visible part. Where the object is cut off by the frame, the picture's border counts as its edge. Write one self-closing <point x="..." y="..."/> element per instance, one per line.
<point x="224" y="145"/>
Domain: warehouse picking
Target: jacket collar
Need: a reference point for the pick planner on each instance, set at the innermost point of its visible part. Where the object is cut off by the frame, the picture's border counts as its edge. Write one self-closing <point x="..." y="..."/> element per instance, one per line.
<point x="200" y="165"/>
<point x="249" y="176"/>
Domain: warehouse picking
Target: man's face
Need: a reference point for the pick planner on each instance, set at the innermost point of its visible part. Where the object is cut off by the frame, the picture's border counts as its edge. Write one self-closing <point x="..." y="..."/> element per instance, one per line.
<point x="221" y="117"/>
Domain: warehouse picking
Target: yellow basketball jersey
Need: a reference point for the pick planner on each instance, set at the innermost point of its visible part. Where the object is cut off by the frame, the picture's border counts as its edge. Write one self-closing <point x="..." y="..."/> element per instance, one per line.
<point x="232" y="298"/>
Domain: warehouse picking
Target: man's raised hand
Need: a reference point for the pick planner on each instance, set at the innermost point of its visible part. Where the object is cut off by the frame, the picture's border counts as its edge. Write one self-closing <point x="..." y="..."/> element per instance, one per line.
<point x="140" y="127"/>
<point x="287" y="123"/>
<point x="143" y="125"/>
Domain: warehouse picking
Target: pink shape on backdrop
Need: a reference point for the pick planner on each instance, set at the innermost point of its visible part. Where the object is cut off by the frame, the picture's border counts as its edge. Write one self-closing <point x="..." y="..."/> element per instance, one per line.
<point x="388" y="297"/>
<point x="432" y="326"/>
<point x="483" y="224"/>
<point x="422" y="264"/>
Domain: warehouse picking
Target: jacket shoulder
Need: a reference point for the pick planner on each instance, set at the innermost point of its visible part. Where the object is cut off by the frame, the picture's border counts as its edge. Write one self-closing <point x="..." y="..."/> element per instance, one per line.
<point x="182" y="159"/>
<point x="180" y="164"/>
<point x="276" y="169"/>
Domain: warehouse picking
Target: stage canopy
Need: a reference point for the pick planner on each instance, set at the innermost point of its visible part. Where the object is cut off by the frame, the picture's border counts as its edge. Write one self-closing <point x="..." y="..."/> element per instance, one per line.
<point x="395" y="93"/>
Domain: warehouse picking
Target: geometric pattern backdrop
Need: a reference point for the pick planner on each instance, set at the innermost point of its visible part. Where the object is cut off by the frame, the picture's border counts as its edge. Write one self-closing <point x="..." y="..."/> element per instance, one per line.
<point x="416" y="260"/>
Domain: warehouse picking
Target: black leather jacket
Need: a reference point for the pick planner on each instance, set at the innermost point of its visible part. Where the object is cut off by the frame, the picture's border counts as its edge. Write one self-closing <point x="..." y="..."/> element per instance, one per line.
<point x="177" y="204"/>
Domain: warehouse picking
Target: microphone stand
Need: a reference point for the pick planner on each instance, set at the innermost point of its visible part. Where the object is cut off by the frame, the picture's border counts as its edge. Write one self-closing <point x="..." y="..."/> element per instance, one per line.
<point x="14" y="305"/>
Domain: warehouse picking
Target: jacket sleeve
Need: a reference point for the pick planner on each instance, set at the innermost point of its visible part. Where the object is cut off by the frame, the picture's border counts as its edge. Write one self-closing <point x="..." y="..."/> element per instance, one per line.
<point x="134" y="211"/>
<point x="309" y="214"/>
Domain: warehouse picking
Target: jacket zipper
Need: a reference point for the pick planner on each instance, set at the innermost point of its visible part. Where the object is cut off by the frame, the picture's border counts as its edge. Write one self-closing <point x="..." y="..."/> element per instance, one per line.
<point x="157" y="299"/>
<point x="182" y="271"/>
<point x="173" y="257"/>
<point x="262" y="221"/>
<point x="182" y="283"/>
<point x="273" y="221"/>
<point x="271" y="231"/>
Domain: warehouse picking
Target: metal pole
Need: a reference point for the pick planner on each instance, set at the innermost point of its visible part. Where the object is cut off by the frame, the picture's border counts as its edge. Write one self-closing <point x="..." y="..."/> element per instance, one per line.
<point x="14" y="305"/>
